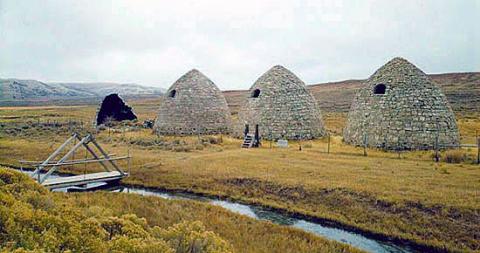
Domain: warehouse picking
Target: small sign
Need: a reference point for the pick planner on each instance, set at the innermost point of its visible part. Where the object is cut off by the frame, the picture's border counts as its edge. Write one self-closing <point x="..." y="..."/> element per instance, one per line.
<point x="282" y="143"/>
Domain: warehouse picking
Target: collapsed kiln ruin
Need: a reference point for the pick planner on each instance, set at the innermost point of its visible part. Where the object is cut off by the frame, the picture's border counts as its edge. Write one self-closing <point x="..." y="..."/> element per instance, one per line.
<point x="281" y="105"/>
<point x="400" y="108"/>
<point x="113" y="108"/>
<point x="193" y="105"/>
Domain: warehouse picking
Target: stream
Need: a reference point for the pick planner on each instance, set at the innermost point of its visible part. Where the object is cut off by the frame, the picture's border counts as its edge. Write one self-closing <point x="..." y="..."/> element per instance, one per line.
<point x="336" y="234"/>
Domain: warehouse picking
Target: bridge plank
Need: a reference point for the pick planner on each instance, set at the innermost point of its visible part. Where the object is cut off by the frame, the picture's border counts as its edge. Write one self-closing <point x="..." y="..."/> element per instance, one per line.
<point x="78" y="180"/>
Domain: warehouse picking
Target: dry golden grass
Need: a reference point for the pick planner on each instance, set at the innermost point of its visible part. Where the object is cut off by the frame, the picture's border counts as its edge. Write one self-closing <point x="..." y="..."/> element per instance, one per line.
<point x="469" y="128"/>
<point x="40" y="221"/>
<point x="403" y="195"/>
<point x="243" y="233"/>
<point x="334" y="122"/>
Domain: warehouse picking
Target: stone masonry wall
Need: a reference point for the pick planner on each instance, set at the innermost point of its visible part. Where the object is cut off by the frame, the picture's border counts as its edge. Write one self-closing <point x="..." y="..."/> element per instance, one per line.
<point x="411" y="114"/>
<point x="198" y="107"/>
<point x="284" y="108"/>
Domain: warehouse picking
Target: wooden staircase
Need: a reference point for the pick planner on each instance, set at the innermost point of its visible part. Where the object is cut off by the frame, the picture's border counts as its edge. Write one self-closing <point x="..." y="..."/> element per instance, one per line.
<point x="248" y="141"/>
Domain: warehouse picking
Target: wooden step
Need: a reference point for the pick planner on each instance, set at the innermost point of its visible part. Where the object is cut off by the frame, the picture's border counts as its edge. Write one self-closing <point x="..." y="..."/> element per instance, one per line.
<point x="248" y="141"/>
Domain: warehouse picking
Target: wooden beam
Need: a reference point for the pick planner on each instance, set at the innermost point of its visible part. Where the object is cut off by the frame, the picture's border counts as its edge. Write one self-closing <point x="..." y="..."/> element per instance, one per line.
<point x="53" y="155"/>
<point x="94" y="154"/>
<point x="86" y="161"/>
<point x="65" y="157"/>
<point x="106" y="155"/>
<point x="36" y="163"/>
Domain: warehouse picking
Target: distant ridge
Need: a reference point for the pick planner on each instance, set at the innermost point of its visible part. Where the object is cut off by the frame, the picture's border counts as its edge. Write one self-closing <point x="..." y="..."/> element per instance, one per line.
<point x="19" y="90"/>
<point x="124" y="89"/>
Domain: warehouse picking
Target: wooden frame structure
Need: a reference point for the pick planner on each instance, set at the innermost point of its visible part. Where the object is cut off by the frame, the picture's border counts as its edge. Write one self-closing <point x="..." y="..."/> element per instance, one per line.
<point x="112" y="171"/>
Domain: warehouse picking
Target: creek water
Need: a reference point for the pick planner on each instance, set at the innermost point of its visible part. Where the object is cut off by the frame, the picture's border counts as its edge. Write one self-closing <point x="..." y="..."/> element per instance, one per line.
<point x="330" y="232"/>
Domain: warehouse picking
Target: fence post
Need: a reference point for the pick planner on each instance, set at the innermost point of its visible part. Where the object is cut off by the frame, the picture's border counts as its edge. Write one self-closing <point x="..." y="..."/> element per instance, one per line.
<point x="478" y="147"/>
<point x="328" y="147"/>
<point x="437" y="158"/>
<point x="128" y="162"/>
<point x="365" y="138"/>
<point x="270" y="140"/>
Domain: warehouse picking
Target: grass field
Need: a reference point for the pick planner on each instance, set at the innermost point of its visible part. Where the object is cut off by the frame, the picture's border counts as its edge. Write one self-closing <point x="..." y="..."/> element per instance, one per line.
<point x="27" y="208"/>
<point x="405" y="196"/>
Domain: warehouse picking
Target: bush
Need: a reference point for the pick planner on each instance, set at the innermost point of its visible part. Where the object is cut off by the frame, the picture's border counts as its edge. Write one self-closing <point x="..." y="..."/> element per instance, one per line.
<point x="183" y="148"/>
<point x="189" y="237"/>
<point x="27" y="226"/>
<point x="212" y="139"/>
<point x="307" y="145"/>
<point x="454" y="156"/>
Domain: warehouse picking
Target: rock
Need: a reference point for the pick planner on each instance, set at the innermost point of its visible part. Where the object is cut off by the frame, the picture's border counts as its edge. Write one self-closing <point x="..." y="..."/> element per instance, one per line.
<point x="148" y="123"/>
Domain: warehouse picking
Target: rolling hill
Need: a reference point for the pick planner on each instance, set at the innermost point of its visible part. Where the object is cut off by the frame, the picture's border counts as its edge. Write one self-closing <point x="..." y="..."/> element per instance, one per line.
<point x="18" y="91"/>
<point x="461" y="89"/>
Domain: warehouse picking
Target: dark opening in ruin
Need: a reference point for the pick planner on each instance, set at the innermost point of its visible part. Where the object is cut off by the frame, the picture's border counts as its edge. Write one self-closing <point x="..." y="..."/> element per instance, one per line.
<point x="172" y="93"/>
<point x="255" y="93"/>
<point x="114" y="109"/>
<point x="379" y="89"/>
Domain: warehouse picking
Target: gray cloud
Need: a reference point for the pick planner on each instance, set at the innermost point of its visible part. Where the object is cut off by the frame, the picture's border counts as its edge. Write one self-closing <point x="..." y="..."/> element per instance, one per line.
<point x="232" y="42"/>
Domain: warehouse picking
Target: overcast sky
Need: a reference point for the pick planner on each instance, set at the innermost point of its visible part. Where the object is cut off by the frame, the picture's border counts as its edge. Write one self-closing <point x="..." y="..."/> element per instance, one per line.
<point x="232" y="42"/>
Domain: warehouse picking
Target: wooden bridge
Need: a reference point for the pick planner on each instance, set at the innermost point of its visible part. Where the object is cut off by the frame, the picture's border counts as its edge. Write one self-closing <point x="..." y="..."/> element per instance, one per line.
<point x="82" y="180"/>
<point x="113" y="173"/>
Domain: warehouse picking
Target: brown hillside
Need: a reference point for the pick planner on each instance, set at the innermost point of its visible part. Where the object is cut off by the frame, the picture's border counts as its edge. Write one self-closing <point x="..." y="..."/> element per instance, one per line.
<point x="462" y="90"/>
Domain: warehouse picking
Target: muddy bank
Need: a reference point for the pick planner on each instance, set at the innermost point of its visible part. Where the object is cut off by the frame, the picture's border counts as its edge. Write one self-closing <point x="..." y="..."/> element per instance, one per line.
<point x="441" y="226"/>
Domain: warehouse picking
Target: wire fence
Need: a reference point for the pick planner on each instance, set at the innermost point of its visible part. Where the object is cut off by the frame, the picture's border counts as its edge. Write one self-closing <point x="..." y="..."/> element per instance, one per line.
<point x="16" y="128"/>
